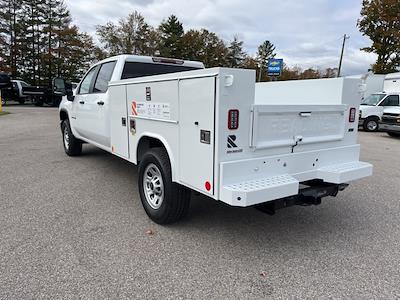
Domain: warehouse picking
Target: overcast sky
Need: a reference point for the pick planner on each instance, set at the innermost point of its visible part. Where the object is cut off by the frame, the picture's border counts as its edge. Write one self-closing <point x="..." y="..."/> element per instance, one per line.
<point x="305" y="33"/>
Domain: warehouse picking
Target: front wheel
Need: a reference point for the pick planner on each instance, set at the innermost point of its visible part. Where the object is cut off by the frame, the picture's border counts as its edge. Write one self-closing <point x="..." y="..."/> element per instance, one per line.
<point x="72" y="145"/>
<point x="371" y="125"/>
<point x="164" y="201"/>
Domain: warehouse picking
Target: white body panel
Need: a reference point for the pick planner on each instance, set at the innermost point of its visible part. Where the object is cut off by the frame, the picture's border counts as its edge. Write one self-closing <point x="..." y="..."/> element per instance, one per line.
<point x="288" y="132"/>
<point x="392" y="83"/>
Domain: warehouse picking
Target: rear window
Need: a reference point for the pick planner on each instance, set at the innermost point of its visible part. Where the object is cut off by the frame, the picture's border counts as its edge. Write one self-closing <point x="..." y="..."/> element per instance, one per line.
<point x="136" y="69"/>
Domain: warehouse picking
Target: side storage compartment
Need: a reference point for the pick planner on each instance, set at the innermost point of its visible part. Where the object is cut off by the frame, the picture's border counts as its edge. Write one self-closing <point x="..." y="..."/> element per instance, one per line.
<point x="196" y="133"/>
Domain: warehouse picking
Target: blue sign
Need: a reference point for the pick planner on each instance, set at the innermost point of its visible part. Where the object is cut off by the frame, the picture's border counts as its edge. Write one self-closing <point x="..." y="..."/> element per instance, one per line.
<point x="274" y="67"/>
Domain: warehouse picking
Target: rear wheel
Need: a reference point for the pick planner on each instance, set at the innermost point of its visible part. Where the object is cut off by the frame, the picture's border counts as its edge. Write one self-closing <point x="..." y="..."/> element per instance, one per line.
<point x="371" y="124"/>
<point x="164" y="201"/>
<point x="394" y="134"/>
<point x="72" y="145"/>
<point x="21" y="101"/>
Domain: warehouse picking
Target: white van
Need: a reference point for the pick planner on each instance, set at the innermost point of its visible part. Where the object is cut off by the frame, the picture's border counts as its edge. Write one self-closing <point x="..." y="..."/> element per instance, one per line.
<point x="372" y="108"/>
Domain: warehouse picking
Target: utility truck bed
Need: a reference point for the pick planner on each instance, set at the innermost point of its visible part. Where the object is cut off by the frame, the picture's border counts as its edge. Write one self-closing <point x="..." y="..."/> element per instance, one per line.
<point x="218" y="133"/>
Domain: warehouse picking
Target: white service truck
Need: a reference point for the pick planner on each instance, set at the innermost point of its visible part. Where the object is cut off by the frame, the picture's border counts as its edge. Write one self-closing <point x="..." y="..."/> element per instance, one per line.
<point x="217" y="132"/>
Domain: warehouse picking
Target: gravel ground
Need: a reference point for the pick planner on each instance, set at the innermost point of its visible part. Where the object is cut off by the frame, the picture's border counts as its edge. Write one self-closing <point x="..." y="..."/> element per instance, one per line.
<point x="75" y="228"/>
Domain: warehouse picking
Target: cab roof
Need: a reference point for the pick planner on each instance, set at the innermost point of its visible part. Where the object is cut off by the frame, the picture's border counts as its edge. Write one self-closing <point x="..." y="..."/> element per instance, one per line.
<point x="155" y="60"/>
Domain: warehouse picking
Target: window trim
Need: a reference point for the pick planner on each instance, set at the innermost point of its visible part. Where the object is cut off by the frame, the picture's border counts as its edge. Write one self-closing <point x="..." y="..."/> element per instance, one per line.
<point x="97" y="75"/>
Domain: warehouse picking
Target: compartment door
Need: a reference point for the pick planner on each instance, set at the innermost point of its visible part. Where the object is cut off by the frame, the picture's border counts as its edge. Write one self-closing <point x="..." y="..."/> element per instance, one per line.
<point x="118" y="121"/>
<point x="290" y="125"/>
<point x="196" y="133"/>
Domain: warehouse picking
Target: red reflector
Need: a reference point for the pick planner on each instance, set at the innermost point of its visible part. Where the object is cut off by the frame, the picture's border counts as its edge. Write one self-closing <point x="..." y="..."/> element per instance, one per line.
<point x="352" y="115"/>
<point x="233" y="119"/>
<point x="207" y="185"/>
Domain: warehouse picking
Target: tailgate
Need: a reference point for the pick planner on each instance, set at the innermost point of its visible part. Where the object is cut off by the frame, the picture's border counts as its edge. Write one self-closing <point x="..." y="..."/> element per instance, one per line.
<point x="290" y="125"/>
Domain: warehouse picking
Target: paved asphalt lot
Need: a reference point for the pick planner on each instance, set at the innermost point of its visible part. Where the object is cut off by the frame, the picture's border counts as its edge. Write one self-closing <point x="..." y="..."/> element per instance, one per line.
<point x="75" y="228"/>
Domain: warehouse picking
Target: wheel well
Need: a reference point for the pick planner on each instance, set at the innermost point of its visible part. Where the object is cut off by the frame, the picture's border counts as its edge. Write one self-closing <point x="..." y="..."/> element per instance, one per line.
<point x="63" y="115"/>
<point x="373" y="118"/>
<point x="145" y="144"/>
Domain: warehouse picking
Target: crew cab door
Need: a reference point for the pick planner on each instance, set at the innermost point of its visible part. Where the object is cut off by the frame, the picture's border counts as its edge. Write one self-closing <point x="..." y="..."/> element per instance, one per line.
<point x="92" y="105"/>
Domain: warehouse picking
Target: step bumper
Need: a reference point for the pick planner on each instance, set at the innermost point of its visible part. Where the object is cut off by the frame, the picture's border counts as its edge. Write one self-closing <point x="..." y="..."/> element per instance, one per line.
<point x="260" y="190"/>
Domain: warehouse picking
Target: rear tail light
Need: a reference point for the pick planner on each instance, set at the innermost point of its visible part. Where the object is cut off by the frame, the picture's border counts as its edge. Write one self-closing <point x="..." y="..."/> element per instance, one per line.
<point x="233" y="119"/>
<point x="352" y="115"/>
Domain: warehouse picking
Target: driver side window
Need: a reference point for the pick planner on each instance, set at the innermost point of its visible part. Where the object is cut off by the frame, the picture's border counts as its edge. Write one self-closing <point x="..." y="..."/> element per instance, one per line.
<point x="392" y="100"/>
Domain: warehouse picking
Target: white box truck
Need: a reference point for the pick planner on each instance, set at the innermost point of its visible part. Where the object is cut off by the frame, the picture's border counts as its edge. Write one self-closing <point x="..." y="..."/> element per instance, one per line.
<point x="206" y="130"/>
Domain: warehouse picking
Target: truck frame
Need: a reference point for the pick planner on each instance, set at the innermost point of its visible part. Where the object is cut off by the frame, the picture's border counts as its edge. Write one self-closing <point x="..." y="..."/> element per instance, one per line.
<point x="217" y="132"/>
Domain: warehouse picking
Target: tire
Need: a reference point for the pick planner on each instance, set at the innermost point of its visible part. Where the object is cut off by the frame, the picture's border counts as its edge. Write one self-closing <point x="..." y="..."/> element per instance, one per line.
<point x="21" y="101"/>
<point x="72" y="145"/>
<point x="371" y="125"/>
<point x="394" y="134"/>
<point x="155" y="179"/>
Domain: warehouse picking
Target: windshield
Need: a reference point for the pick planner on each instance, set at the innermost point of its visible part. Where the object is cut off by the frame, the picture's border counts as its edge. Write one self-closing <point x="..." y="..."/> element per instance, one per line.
<point x="373" y="99"/>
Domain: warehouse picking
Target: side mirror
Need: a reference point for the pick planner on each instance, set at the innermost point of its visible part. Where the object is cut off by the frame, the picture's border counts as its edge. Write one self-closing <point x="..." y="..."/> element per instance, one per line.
<point x="59" y="86"/>
<point x="69" y="91"/>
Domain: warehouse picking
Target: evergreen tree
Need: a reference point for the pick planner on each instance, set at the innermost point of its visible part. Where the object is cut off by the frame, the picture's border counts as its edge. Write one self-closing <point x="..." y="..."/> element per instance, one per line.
<point x="171" y="32"/>
<point x="236" y="54"/>
<point x="264" y="53"/>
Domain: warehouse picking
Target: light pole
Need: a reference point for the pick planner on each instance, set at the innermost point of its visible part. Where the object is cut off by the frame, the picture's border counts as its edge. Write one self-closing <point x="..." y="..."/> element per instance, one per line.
<point x="345" y="37"/>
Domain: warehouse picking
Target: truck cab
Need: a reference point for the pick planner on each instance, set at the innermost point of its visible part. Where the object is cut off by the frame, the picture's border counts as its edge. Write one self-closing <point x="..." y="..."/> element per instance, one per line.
<point x="372" y="108"/>
<point x="90" y="111"/>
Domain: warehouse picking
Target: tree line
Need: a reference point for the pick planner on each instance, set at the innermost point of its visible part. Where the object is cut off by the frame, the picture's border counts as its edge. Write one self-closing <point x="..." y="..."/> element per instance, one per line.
<point x="134" y="35"/>
<point x="39" y="42"/>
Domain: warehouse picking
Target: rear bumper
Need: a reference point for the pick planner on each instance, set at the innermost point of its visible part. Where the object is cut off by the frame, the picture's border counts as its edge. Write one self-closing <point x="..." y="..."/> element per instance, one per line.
<point x="389" y="127"/>
<point x="266" y="179"/>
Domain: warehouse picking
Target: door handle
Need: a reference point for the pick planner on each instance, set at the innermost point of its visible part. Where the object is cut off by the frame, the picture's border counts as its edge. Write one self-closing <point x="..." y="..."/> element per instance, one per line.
<point x="82" y="102"/>
<point x="100" y="103"/>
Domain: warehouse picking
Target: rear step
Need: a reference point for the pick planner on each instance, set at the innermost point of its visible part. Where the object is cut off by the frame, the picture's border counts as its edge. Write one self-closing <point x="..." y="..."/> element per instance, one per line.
<point x="261" y="190"/>
<point x="345" y="172"/>
<point x="247" y="193"/>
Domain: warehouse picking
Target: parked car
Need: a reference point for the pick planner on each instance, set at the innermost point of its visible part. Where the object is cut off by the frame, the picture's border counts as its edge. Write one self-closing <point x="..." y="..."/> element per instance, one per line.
<point x="205" y="130"/>
<point x="14" y="92"/>
<point x="372" y="107"/>
<point x="391" y="121"/>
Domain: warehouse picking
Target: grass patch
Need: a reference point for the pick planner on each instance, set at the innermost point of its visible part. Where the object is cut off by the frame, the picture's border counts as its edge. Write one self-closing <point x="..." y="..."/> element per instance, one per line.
<point x="3" y="113"/>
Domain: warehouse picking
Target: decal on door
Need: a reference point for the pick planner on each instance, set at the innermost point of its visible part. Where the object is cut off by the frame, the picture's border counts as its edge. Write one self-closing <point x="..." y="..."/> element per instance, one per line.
<point x="148" y="93"/>
<point x="134" y="108"/>
<point x="156" y="110"/>
<point x="232" y="146"/>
